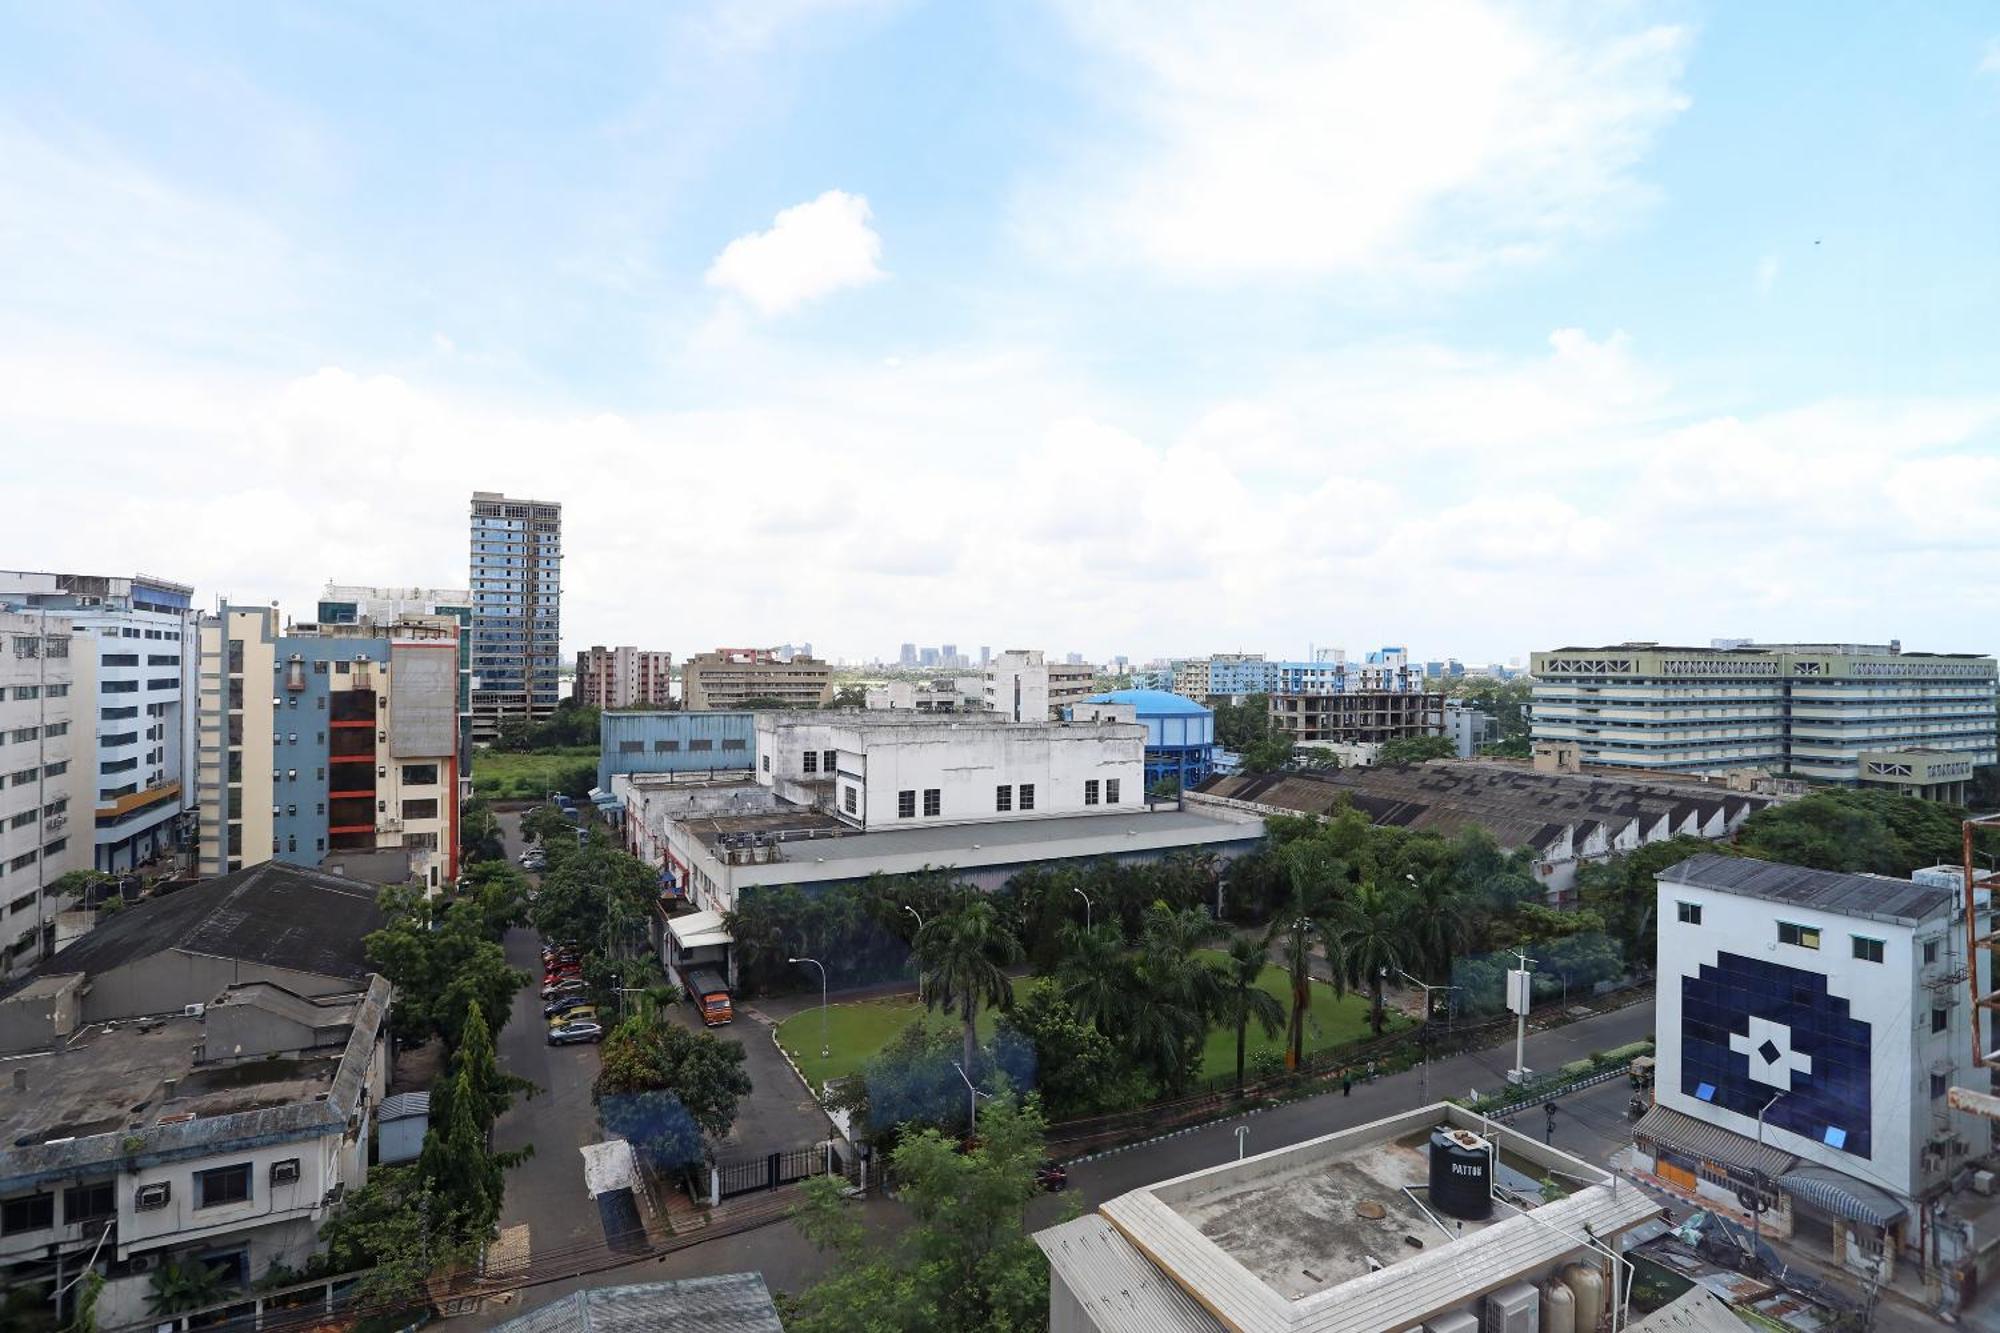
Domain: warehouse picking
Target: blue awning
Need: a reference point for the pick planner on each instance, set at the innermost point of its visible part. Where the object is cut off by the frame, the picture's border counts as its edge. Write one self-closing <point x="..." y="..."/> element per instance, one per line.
<point x="1841" y="1195"/>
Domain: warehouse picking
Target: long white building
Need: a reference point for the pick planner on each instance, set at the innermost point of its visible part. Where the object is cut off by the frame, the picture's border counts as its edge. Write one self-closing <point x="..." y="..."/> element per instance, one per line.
<point x="1851" y="714"/>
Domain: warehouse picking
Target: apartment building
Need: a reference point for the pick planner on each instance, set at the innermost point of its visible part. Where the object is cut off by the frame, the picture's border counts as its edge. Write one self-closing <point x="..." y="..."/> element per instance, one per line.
<point x="731" y="677"/>
<point x="356" y="604"/>
<point x="1023" y="686"/>
<point x="1850" y="714"/>
<point x="48" y="785"/>
<point x="1810" y="1027"/>
<point x="140" y="633"/>
<point x="516" y="610"/>
<point x="192" y="1082"/>
<point x="353" y="749"/>
<point x="624" y="677"/>
<point x="1236" y="675"/>
<point x="1357" y="717"/>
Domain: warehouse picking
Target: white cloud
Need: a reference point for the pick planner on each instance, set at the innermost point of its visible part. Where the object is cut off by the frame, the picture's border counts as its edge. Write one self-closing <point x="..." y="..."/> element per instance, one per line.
<point x="1989" y="63"/>
<point x="811" y="250"/>
<point x="1767" y="274"/>
<point x="1424" y="139"/>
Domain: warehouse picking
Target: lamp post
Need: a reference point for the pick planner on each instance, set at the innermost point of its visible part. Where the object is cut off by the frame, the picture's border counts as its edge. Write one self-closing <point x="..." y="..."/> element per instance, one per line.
<point x="972" y="1099"/>
<point x="1086" y="904"/>
<point x="1757" y="1213"/>
<point x="1424" y="1034"/>
<point x="823" y="1049"/>
<point x="1242" y="1138"/>
<point x="913" y="939"/>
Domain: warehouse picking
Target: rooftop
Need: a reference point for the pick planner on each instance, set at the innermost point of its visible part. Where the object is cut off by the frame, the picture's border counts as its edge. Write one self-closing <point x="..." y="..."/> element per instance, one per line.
<point x="1873" y="897"/>
<point x="951" y="841"/>
<point x="1290" y="1240"/>
<point x="730" y="1303"/>
<point x="1149" y="703"/>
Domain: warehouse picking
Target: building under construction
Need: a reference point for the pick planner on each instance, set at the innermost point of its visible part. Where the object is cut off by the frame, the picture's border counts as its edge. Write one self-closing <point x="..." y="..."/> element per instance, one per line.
<point x="1357" y="716"/>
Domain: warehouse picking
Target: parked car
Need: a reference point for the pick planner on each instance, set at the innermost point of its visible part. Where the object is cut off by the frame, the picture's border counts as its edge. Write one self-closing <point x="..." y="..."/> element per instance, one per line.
<point x="568" y="1003"/>
<point x="567" y="986"/>
<point x="581" y="1014"/>
<point x="571" y="1033"/>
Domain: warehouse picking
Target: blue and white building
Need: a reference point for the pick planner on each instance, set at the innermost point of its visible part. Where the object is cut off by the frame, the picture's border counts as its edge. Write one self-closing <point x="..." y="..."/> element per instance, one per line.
<point x="143" y="632"/>
<point x="1180" y="734"/>
<point x="693" y="743"/>
<point x="516" y="610"/>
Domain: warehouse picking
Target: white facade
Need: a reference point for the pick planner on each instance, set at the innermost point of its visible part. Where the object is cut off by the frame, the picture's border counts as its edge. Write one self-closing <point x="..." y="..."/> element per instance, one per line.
<point x="46" y="701"/>
<point x="1022" y="686"/>
<point x="1865" y="1013"/>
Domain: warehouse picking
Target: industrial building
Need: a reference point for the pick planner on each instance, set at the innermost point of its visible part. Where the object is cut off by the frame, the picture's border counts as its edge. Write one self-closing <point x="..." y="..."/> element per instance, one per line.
<point x="1850" y="714"/>
<point x="192" y="1082"/>
<point x="841" y="796"/>
<point x="1434" y="1219"/>
<point x="732" y="677"/>
<point x="1568" y="819"/>
<point x="1180" y="734"/>
<point x="624" y="677"/>
<point x="1357" y="717"/>
<point x="136" y="744"/>
<point x="352" y="748"/>
<point x="516" y="557"/>
<point x="48" y="782"/>
<point x="964" y="694"/>
<point x="705" y="744"/>
<point x="1023" y="686"/>
<point x="1810" y="1025"/>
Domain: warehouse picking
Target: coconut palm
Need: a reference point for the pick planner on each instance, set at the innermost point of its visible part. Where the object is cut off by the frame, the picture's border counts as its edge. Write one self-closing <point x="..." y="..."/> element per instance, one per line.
<point x="1244" y="1001"/>
<point x="963" y="953"/>
<point x="1316" y="879"/>
<point x="1373" y="934"/>
<point x="1439" y="923"/>
<point x="1095" y="976"/>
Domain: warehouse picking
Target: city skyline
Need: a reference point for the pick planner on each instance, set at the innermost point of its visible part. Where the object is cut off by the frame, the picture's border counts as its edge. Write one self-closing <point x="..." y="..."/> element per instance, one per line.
<point x="1627" y="341"/>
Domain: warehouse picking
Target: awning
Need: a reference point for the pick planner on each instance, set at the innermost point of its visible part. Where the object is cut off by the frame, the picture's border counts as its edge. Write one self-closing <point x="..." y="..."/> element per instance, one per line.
<point x="699" y="930"/>
<point x="1712" y="1143"/>
<point x="1841" y="1195"/>
<point x="608" y="1166"/>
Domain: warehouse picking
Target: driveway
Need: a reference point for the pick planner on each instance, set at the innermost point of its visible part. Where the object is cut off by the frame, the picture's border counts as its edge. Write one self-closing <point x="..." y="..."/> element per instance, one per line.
<point x="779" y="1113"/>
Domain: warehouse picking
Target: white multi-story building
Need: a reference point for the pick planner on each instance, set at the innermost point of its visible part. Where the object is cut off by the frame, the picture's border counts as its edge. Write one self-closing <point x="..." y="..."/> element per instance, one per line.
<point x="1810" y="1025"/>
<point x="141" y="633"/>
<point x="1851" y="714"/>
<point x="1022" y="686"/>
<point x="47" y="699"/>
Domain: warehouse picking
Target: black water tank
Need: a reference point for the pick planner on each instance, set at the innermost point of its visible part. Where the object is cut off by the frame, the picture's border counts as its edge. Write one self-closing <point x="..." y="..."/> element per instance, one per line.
<point x="1461" y="1174"/>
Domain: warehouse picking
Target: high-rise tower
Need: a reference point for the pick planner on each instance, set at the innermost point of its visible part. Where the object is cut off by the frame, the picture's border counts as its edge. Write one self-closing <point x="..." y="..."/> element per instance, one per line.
<point x="516" y="610"/>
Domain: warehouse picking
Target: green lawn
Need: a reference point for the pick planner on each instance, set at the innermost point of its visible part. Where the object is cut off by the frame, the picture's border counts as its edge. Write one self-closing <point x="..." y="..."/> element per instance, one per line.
<point x="1330" y="1022"/>
<point x="857" y="1029"/>
<point x="501" y="776"/>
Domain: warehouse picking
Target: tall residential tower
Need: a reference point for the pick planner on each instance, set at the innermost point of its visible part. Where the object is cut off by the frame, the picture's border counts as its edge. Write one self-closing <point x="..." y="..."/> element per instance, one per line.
<point x="516" y="610"/>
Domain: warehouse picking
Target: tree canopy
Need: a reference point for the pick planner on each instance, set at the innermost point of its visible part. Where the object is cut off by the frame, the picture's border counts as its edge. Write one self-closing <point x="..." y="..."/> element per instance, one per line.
<point x="1415" y="750"/>
<point x="1858" y="830"/>
<point x="669" y="1092"/>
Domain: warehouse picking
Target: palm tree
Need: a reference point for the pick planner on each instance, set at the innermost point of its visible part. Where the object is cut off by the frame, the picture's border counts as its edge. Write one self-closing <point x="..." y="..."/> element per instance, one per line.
<point x="962" y="953"/>
<point x="1374" y="937"/>
<point x="1175" y="995"/>
<point x="1244" y="1001"/>
<point x="1316" y="877"/>
<point x="1095" y="976"/>
<point x="1439" y="924"/>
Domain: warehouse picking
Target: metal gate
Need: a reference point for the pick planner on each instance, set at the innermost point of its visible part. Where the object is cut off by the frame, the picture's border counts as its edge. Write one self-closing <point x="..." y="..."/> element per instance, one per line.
<point x="747" y="1173"/>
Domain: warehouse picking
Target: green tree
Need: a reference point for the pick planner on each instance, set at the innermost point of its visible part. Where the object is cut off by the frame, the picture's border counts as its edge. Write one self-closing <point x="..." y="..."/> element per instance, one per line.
<point x="1373" y="939"/>
<point x="966" y="1261"/>
<point x="1176" y="995"/>
<point x="1245" y="1002"/>
<point x="1094" y="976"/>
<point x="1044" y="1044"/>
<point x="668" y="1091"/>
<point x="849" y="696"/>
<point x="1876" y="832"/>
<point x="1267" y="755"/>
<point x="963" y="954"/>
<point x="391" y="1231"/>
<point x="184" y="1284"/>
<point x="440" y="963"/>
<point x="457" y="1169"/>
<point x="1239" y="726"/>
<point x="1415" y="750"/>
<point x="479" y="832"/>
<point x="1317" y="880"/>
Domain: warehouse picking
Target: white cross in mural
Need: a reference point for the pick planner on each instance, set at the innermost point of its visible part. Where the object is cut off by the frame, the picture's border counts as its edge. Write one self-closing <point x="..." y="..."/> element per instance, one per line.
<point x="1768" y="1046"/>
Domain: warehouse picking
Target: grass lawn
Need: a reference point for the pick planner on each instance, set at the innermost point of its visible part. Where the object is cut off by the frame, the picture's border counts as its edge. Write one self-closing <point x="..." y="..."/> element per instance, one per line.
<point x="858" y="1029"/>
<point x="855" y="1031"/>
<point x="1330" y="1022"/>
<point x="503" y="776"/>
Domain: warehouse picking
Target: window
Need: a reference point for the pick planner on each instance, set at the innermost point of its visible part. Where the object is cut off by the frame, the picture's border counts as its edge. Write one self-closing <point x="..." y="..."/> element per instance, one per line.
<point x="1805" y="937"/>
<point x="54" y="848"/>
<point x="22" y="820"/>
<point x="700" y="745"/>
<point x="87" y="1203"/>
<point x="33" y="1212"/>
<point x="24" y="777"/>
<point x="1940" y="1083"/>
<point x="56" y="729"/>
<point x="25" y="646"/>
<point x="20" y="734"/>
<point x="933" y="802"/>
<point x="56" y="691"/>
<point x="120" y="659"/>
<point x="223" y="1185"/>
<point x="847" y="799"/>
<point x="737" y="744"/>
<point x="118" y="687"/>
<point x="426" y="809"/>
<point x="1090" y="792"/>
<point x="1026" y="795"/>
<point x="631" y="747"/>
<point x="27" y="691"/>
<point x="1930" y="951"/>
<point x="1867" y="950"/>
<point x="1111" y="791"/>
<point x="669" y="747"/>
<point x="829" y="760"/>
<point x="1940" y="1019"/>
<point x="906" y="805"/>
<point x="812" y="761"/>
<point x="234" y="665"/>
<point x="23" y="861"/>
<point x="56" y="769"/>
<point x="420" y="775"/>
<point x="1003" y="798"/>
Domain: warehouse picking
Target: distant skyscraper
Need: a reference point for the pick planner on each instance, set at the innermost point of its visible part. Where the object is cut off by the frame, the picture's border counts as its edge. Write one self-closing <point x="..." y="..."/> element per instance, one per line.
<point x="985" y="656"/>
<point x="516" y="610"/>
<point x="908" y="657"/>
<point x="928" y="657"/>
<point x="1075" y="659"/>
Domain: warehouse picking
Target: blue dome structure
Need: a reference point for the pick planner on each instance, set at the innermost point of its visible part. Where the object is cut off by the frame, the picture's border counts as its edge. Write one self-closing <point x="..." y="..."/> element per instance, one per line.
<point x="1180" y="734"/>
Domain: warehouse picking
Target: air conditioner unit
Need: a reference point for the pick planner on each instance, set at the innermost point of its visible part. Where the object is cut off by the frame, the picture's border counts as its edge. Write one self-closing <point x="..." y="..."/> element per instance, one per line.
<point x="193" y="1010"/>
<point x="1982" y="1182"/>
<point x="1515" y="1309"/>
<point x="152" y="1196"/>
<point x="140" y="1263"/>
<point x="285" y="1172"/>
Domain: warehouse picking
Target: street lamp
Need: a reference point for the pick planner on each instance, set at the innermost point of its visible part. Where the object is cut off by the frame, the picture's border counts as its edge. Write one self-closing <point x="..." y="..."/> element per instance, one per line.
<point x="1086" y="904"/>
<point x="1757" y="1213"/>
<point x="1424" y="1033"/>
<point x="913" y="939"/>
<point x="823" y="1049"/>
<point x="972" y="1101"/>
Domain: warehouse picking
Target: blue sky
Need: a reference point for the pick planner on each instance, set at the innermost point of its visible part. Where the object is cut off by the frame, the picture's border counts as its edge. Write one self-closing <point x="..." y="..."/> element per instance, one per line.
<point x="1105" y="326"/>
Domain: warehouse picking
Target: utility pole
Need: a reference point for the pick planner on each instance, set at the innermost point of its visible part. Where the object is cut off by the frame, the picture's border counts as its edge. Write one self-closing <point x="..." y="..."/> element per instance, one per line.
<point x="1424" y="1033"/>
<point x="1520" y="998"/>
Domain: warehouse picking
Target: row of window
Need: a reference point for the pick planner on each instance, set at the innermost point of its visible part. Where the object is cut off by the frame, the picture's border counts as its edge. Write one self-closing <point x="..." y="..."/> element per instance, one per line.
<point x="671" y="747"/>
<point x="25" y="692"/>
<point x="20" y="734"/>
<point x="22" y="777"/>
<point x="34" y="645"/>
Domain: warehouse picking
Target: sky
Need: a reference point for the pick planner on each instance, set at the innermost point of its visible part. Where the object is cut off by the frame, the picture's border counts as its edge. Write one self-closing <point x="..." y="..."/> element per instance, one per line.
<point x="1088" y="325"/>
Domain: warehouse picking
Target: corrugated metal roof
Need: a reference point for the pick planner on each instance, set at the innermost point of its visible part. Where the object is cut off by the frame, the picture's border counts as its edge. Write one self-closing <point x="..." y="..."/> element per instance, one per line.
<point x="730" y="1303"/>
<point x="1712" y="1142"/>
<point x="1117" y="1288"/>
<point x="1841" y="1194"/>
<point x="1874" y="897"/>
<point x="403" y="1106"/>
<point x="1698" y="1310"/>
